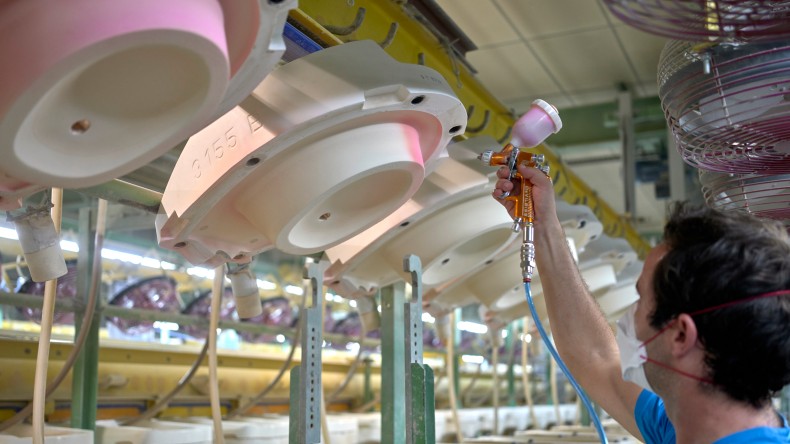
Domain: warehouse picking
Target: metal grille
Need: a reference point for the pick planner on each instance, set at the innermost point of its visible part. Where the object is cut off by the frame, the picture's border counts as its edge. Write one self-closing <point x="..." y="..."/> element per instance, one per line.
<point x="763" y="195"/>
<point x="727" y="105"/>
<point x="705" y="20"/>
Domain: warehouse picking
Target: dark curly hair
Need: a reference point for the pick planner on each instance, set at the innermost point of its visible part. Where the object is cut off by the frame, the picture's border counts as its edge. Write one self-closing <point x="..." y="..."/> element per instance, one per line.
<point x="717" y="257"/>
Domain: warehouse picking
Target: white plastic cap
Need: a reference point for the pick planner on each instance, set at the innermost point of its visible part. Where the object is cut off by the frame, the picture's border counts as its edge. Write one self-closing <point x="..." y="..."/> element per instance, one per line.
<point x="552" y="112"/>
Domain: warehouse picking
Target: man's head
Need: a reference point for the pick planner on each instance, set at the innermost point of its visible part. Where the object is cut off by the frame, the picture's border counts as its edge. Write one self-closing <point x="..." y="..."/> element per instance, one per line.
<point x="712" y="258"/>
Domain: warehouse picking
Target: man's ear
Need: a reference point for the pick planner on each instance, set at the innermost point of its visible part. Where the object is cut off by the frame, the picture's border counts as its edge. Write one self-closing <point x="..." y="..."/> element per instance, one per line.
<point x="684" y="335"/>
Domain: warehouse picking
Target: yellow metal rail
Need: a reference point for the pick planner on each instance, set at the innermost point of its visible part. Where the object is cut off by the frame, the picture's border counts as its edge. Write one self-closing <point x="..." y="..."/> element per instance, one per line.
<point x="398" y="28"/>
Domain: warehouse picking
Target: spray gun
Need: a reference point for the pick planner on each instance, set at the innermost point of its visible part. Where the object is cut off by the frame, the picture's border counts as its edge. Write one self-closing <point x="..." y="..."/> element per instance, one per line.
<point x="529" y="131"/>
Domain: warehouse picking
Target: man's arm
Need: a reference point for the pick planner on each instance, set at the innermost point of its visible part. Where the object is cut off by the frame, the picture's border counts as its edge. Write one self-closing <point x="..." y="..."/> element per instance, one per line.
<point x="580" y="330"/>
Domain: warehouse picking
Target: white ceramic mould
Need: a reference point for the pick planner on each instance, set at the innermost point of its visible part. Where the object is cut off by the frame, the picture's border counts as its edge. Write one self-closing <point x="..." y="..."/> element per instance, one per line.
<point x="23" y="434"/>
<point x="498" y="286"/>
<point x="152" y="431"/>
<point x="114" y="89"/>
<point x="580" y="224"/>
<point x="324" y="148"/>
<point x="599" y="266"/>
<point x="608" y="250"/>
<point x="619" y="297"/>
<point x="452" y="223"/>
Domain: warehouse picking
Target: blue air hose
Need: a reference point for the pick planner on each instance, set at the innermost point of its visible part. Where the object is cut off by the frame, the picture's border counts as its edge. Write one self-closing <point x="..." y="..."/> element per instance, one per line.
<point x="596" y="421"/>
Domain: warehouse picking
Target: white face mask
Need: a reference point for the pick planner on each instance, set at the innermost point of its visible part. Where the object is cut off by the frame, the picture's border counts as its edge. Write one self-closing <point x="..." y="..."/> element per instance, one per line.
<point x="633" y="354"/>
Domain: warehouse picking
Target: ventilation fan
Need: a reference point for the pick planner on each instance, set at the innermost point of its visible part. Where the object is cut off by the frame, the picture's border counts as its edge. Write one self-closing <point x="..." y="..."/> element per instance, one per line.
<point x="731" y="20"/>
<point x="66" y="290"/>
<point x="201" y="306"/>
<point x="764" y="195"/>
<point x="325" y="147"/>
<point x="156" y="293"/>
<point x="74" y="117"/>
<point x="727" y="105"/>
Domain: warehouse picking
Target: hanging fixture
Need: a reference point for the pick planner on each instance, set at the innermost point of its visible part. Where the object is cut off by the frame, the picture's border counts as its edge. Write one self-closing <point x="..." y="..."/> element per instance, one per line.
<point x="764" y="195"/>
<point x="727" y="105"/>
<point x="325" y="147"/>
<point x="723" y="20"/>
<point x="451" y="223"/>
<point x="114" y="89"/>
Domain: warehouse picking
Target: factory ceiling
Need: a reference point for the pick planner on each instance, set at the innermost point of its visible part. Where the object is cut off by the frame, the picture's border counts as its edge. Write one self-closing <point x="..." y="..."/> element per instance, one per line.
<point x="579" y="57"/>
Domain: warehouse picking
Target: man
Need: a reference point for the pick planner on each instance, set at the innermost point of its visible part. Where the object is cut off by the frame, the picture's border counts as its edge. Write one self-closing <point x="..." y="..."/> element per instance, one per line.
<point x="710" y="334"/>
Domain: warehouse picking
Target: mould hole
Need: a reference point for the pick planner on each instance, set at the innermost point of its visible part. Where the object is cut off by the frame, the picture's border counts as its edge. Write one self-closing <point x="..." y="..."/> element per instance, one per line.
<point x="180" y="245"/>
<point x="489" y="262"/>
<point x="253" y="161"/>
<point x="325" y="216"/>
<point x="80" y="127"/>
<point x="582" y="223"/>
<point x="455" y="129"/>
<point x="445" y="260"/>
<point x="335" y="282"/>
<point x="417" y="100"/>
<point x="405" y="224"/>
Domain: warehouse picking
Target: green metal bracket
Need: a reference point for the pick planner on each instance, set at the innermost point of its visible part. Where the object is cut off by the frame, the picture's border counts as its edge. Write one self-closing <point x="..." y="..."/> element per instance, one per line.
<point x="305" y="421"/>
<point x="419" y="377"/>
<point x="85" y="375"/>
<point x="423" y="409"/>
<point x="393" y="357"/>
<point x="294" y="407"/>
<point x="457" y="357"/>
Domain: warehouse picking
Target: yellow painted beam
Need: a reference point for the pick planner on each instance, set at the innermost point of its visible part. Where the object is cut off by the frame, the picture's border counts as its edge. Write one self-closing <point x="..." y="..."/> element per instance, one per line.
<point x="413" y="43"/>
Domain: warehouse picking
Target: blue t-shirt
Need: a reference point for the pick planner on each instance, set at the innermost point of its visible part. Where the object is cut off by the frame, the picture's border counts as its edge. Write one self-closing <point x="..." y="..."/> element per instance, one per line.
<point x="653" y="423"/>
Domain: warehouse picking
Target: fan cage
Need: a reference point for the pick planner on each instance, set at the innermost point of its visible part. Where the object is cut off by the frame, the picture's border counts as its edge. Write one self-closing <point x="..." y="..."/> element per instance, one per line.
<point x="66" y="289"/>
<point x="155" y="293"/>
<point x="276" y="312"/>
<point x="707" y="20"/>
<point x="736" y="118"/>
<point x="766" y="196"/>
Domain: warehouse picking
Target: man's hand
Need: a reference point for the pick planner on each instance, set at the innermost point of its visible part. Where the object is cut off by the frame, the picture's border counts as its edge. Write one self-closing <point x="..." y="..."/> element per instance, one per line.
<point x="542" y="191"/>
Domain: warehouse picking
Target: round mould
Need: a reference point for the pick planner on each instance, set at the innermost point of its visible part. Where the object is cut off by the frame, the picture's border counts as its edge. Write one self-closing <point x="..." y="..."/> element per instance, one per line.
<point x="74" y="118"/>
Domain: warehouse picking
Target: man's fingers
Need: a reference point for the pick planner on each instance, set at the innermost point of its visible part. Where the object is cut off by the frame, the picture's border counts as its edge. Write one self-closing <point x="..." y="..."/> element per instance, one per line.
<point x="503" y="172"/>
<point x="534" y="175"/>
<point x="504" y="185"/>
